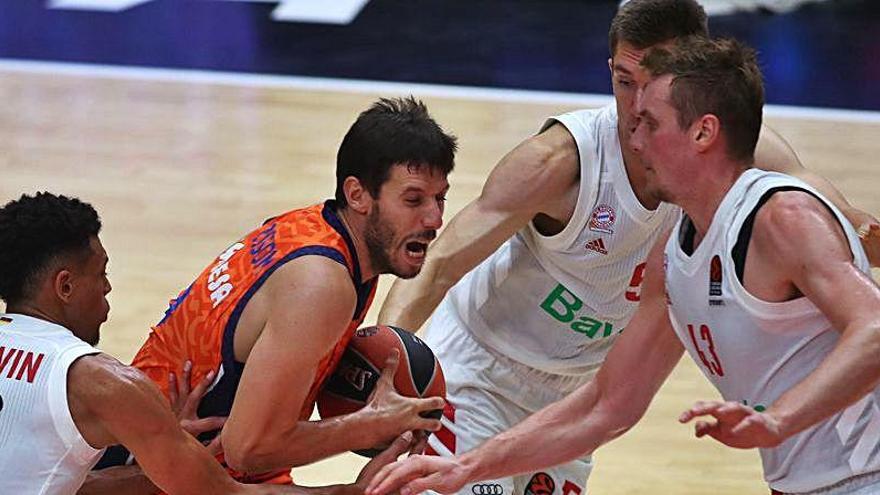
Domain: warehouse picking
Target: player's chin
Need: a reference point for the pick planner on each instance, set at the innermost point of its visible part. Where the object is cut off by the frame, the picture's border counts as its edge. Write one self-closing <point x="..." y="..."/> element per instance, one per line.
<point x="408" y="267"/>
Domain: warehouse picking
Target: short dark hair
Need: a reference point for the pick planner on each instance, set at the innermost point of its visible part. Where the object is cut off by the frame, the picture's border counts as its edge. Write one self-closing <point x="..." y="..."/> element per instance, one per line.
<point x="645" y="23"/>
<point x="35" y="231"/>
<point x="393" y="131"/>
<point x="719" y="77"/>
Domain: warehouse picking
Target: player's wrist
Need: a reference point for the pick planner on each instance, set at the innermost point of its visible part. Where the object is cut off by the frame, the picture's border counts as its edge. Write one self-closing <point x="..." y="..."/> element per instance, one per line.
<point x="780" y="423"/>
<point x="469" y="468"/>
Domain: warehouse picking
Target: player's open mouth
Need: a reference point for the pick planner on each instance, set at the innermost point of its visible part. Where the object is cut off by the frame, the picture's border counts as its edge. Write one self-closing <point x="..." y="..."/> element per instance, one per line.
<point x="416" y="249"/>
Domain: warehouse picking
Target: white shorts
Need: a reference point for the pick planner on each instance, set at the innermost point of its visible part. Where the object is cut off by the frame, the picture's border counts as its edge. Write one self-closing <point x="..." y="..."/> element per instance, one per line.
<point x="488" y="393"/>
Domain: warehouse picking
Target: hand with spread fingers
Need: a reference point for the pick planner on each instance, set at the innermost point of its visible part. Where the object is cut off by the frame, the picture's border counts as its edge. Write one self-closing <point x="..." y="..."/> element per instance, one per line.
<point x="419" y="473"/>
<point x="185" y="404"/>
<point x="394" y="413"/>
<point x="736" y="425"/>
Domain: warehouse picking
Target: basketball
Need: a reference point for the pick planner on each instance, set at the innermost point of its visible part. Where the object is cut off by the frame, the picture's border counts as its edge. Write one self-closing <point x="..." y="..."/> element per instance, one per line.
<point x="349" y="386"/>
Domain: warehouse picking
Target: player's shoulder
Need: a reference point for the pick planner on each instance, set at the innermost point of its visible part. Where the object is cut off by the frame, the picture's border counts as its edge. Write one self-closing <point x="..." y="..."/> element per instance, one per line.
<point x="318" y="276"/>
<point x="791" y="220"/>
<point x="99" y="378"/>
<point x="790" y="211"/>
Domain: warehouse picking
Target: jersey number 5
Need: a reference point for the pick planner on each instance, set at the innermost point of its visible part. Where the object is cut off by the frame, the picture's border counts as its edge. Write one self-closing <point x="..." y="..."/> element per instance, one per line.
<point x="634" y="292"/>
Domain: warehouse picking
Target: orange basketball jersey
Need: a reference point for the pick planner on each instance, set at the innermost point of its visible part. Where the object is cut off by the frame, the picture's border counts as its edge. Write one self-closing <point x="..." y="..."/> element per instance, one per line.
<point x="200" y="323"/>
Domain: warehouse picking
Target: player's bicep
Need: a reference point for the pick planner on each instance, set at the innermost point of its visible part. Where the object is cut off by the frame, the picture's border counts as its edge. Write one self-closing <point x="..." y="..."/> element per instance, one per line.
<point x="311" y="302"/>
<point x="135" y="414"/>
<point x="529" y="180"/>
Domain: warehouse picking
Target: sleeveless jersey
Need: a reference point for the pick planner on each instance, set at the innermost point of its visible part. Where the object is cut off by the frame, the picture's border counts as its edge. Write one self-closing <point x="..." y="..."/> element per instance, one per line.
<point x="41" y="449"/>
<point x="754" y="351"/>
<point x="200" y="323"/>
<point x="556" y="303"/>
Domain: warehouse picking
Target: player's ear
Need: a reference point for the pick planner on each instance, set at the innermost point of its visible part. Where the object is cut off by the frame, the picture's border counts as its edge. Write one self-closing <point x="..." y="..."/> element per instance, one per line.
<point x="705" y="131"/>
<point x="357" y="196"/>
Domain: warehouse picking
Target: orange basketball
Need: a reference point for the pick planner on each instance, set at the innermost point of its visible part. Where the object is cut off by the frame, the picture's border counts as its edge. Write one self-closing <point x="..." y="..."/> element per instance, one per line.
<point x="351" y="383"/>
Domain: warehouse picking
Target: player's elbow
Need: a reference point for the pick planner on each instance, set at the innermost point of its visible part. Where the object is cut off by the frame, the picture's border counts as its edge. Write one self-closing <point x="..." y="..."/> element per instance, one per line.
<point x="619" y="416"/>
<point x="249" y="455"/>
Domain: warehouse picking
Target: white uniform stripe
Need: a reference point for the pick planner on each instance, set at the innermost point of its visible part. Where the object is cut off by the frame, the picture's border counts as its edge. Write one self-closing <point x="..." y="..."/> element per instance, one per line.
<point x="850" y="417"/>
<point x="868" y="440"/>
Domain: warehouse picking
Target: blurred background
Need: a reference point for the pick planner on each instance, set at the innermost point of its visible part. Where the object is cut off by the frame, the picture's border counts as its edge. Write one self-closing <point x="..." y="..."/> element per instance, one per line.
<point x="814" y="53"/>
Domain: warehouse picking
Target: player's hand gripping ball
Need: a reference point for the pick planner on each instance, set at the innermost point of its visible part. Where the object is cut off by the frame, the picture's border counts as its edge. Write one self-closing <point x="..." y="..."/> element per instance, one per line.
<point x="355" y="377"/>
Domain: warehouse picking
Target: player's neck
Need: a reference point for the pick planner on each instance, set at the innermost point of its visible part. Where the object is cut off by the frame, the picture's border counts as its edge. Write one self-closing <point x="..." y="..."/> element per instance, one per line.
<point x="706" y="192"/>
<point x="35" y="310"/>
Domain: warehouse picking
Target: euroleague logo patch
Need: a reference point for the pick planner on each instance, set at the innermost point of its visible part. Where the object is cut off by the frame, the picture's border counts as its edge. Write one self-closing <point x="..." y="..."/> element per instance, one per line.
<point x="540" y="484"/>
<point x="602" y="219"/>
<point x="715" y="278"/>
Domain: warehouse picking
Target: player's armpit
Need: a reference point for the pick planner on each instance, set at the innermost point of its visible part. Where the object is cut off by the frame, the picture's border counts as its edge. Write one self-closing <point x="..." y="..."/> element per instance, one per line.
<point x="538" y="176"/>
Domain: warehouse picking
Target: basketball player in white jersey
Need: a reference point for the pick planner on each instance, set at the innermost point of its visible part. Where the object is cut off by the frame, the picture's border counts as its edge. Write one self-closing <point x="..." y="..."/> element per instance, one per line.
<point x="554" y="250"/>
<point x="61" y="400"/>
<point x="766" y="286"/>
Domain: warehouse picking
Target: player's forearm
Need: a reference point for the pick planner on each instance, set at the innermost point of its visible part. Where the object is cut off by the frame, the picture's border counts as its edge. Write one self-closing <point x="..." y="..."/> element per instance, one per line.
<point x="410" y="302"/>
<point x="303" y="443"/>
<point x="122" y="480"/>
<point x="572" y="427"/>
<point x="849" y="372"/>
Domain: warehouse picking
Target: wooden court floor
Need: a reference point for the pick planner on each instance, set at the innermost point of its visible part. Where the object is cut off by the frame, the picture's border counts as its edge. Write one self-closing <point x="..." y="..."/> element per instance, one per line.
<point x="179" y="170"/>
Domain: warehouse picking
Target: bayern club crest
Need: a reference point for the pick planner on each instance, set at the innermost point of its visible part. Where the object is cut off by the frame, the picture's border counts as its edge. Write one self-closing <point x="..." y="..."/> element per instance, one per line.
<point x="602" y="219"/>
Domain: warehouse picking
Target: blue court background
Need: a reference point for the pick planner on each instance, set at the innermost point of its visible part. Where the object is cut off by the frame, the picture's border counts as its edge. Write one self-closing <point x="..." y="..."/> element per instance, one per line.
<point x="822" y="55"/>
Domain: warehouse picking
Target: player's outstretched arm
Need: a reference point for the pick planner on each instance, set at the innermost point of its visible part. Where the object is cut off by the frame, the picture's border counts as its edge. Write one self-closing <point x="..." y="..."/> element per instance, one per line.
<point x="594" y="414"/>
<point x="535" y="177"/>
<point x="264" y="430"/>
<point x="113" y="404"/>
<point x="774" y="153"/>
<point x="808" y="248"/>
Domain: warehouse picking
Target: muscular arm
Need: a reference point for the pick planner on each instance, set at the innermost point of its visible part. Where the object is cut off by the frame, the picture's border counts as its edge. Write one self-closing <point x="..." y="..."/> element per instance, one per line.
<point x="112" y="403"/>
<point x="311" y="303"/>
<point x="536" y="177"/>
<point x="602" y="409"/>
<point x="805" y="240"/>
<point x="775" y="154"/>
<point x="594" y="414"/>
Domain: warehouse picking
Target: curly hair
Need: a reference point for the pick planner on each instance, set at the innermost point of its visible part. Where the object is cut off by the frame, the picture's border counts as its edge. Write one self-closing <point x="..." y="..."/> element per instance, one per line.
<point x="34" y="232"/>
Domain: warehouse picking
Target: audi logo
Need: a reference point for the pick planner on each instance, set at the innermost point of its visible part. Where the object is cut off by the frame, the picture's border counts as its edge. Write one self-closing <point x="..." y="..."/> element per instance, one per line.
<point x="487" y="489"/>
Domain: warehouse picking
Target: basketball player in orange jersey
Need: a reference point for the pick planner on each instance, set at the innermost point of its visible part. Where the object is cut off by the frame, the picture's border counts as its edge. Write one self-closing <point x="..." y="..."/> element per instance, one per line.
<point x="63" y="400"/>
<point x="274" y="311"/>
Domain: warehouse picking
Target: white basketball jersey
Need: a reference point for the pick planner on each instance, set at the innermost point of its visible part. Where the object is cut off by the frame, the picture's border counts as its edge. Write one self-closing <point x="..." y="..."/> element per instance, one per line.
<point x="41" y="450"/>
<point x="753" y="351"/>
<point x="557" y="303"/>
